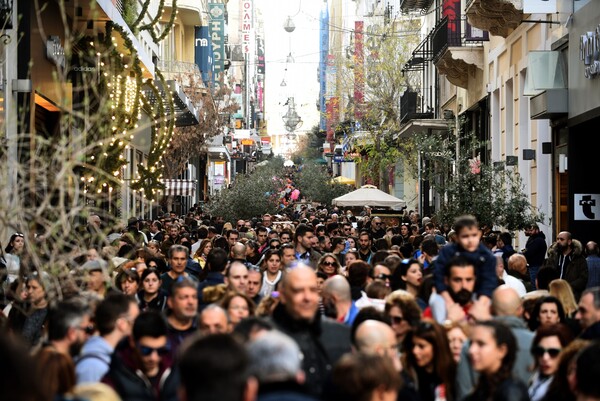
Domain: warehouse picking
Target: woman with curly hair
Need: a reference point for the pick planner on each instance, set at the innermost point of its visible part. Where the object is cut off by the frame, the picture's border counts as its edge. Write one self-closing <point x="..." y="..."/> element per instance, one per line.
<point x="403" y="312"/>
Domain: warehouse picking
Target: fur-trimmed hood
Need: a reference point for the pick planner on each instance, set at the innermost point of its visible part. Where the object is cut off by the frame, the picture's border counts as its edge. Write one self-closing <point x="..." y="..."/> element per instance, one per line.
<point x="577" y="248"/>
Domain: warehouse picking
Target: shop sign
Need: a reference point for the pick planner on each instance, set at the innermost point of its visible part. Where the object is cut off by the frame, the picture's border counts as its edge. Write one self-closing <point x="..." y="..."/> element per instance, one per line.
<point x="219" y="180"/>
<point x="217" y="35"/>
<point x="247" y="10"/>
<point x="587" y="207"/>
<point x="54" y="51"/>
<point x="589" y="53"/>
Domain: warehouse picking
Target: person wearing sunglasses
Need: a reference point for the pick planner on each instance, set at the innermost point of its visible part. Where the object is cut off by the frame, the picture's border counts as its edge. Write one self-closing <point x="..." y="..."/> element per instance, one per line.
<point x="142" y="368"/>
<point x="546" y="348"/>
<point x="329" y="265"/>
<point x="403" y="312"/>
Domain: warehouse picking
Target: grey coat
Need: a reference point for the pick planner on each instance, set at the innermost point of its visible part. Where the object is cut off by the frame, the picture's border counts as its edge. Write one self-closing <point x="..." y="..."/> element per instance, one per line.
<point x="466" y="377"/>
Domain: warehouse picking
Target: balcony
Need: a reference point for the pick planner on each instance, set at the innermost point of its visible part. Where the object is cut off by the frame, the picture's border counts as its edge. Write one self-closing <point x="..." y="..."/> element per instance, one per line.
<point x="455" y="55"/>
<point x="498" y="17"/>
<point x="415" y="5"/>
<point x="411" y="108"/>
<point x="419" y="102"/>
<point x="186" y="73"/>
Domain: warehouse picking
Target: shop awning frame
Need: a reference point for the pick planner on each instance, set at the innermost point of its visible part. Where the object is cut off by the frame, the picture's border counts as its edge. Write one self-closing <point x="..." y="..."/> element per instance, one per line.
<point x="176" y="187"/>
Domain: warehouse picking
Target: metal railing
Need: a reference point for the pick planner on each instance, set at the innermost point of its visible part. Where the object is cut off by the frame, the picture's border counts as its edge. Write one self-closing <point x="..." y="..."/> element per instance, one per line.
<point x="451" y="32"/>
<point x="186" y="73"/>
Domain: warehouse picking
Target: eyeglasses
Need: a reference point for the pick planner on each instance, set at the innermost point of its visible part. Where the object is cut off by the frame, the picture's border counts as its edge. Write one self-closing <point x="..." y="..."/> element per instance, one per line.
<point x="396" y="319"/>
<point x="147" y="351"/>
<point x="328" y="263"/>
<point x="383" y="276"/>
<point x="538" y="351"/>
<point x="377" y="224"/>
<point x="19" y="235"/>
<point x="89" y="329"/>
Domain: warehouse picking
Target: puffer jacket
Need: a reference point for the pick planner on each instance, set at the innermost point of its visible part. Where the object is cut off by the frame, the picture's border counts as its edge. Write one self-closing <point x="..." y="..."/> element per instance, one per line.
<point x="574" y="270"/>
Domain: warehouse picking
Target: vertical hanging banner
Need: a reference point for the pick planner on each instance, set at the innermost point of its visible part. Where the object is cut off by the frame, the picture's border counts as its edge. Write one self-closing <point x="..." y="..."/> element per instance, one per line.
<point x="260" y="52"/>
<point x="323" y="50"/>
<point x="451" y="9"/>
<point x="330" y="94"/>
<point x="203" y="53"/>
<point x="217" y="35"/>
<point x="359" y="70"/>
<point x="246" y="25"/>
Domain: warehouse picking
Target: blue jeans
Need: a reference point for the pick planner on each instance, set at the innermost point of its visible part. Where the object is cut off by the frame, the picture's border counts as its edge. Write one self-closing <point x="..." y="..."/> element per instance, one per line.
<point x="533" y="272"/>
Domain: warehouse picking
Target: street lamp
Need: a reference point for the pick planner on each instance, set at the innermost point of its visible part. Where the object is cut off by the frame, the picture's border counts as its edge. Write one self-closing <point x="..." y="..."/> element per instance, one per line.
<point x="291" y="120"/>
<point x="289" y="25"/>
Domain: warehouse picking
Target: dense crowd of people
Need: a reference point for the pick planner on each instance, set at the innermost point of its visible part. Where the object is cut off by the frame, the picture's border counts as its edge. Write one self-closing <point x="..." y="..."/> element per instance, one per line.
<point x="317" y="304"/>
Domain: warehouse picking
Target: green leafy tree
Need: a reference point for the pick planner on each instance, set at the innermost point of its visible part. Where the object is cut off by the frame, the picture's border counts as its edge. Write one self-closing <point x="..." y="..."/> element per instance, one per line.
<point x="251" y="194"/>
<point x="385" y="84"/>
<point x="465" y="185"/>
<point x="315" y="184"/>
<point x="262" y="190"/>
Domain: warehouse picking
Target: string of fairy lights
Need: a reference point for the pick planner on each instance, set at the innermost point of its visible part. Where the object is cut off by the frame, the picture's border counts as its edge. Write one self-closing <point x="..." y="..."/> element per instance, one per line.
<point x="123" y="79"/>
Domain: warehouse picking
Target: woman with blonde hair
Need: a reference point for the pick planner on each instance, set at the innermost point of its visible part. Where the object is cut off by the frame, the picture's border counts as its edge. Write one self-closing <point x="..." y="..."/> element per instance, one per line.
<point x="561" y="289"/>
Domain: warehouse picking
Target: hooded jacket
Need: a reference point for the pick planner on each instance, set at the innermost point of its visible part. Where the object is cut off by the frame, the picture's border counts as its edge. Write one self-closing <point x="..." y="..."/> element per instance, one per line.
<point x="132" y="384"/>
<point x="535" y="249"/>
<point x="571" y="268"/>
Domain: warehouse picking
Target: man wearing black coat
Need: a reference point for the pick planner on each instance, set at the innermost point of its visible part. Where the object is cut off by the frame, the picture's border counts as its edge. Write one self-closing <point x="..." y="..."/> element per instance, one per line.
<point x="141" y="367"/>
<point x="535" y="250"/>
<point x="321" y="340"/>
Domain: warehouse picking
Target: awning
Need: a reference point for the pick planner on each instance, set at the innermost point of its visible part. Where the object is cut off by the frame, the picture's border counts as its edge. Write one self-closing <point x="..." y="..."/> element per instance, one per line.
<point x="416" y="126"/>
<point x="180" y="187"/>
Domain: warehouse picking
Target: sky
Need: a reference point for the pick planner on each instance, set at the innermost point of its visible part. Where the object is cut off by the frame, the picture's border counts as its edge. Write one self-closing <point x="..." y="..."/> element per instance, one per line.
<point x="301" y="76"/>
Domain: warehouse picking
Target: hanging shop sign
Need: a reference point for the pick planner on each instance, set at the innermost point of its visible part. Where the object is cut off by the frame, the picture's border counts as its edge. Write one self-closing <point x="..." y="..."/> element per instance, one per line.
<point x="217" y="35"/>
<point x="589" y="53"/>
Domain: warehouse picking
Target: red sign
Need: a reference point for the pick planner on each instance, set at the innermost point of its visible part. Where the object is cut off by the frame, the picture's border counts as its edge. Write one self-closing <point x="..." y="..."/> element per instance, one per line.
<point x="359" y="70"/>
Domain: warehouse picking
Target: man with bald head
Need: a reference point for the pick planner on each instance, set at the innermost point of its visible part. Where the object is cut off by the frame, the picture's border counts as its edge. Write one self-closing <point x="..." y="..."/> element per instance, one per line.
<point x="337" y="300"/>
<point x="237" y="277"/>
<point x="321" y="340"/>
<point x="375" y="337"/>
<point x="506" y="308"/>
<point x="214" y="320"/>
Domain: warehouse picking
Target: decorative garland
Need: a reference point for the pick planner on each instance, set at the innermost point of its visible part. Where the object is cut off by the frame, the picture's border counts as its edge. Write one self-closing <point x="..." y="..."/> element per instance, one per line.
<point x="125" y="111"/>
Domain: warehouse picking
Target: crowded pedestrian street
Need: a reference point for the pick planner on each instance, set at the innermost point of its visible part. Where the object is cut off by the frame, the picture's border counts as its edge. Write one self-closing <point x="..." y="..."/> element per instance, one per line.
<point x="299" y="200"/>
<point x="321" y="304"/>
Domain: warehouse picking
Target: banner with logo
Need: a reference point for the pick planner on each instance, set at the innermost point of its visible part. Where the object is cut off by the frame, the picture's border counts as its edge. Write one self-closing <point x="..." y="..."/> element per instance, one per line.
<point x="216" y="11"/>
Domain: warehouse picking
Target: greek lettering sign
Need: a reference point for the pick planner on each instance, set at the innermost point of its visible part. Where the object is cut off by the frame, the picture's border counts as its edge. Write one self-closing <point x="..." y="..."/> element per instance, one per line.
<point x="587" y="207"/>
<point x="589" y="53"/>
<point x="246" y="25"/>
<point x="217" y="35"/>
